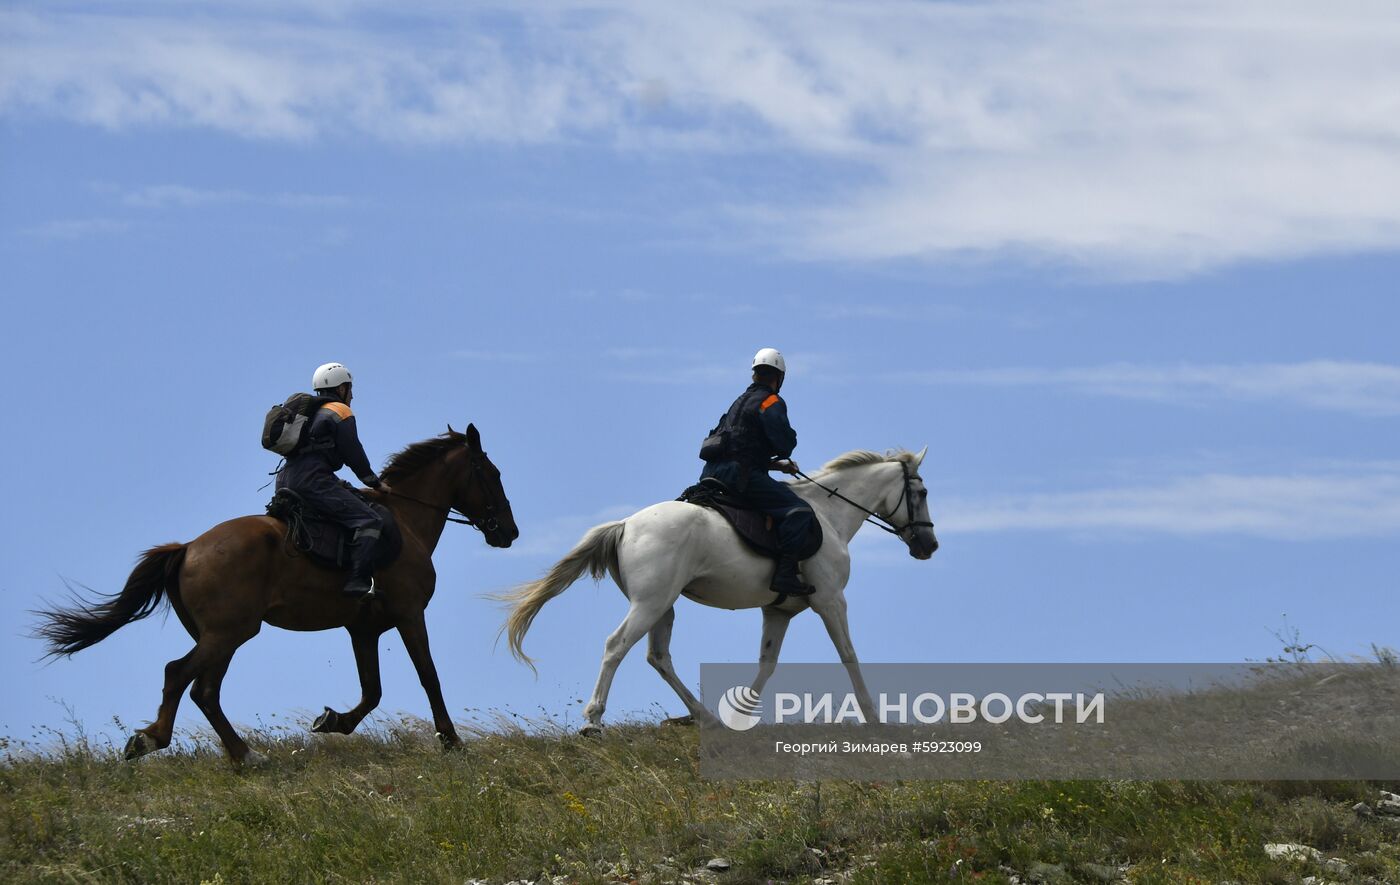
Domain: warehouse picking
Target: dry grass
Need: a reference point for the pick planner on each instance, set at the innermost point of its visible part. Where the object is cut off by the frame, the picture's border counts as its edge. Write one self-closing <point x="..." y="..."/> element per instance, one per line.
<point x="389" y="806"/>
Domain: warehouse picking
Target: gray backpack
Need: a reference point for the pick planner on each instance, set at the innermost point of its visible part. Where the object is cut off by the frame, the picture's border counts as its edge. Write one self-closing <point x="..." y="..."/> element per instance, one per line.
<point x="286" y="424"/>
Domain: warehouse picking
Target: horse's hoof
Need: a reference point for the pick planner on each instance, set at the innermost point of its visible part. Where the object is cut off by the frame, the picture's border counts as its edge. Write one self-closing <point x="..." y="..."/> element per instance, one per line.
<point x="253" y="760"/>
<point x="326" y="723"/>
<point x="449" y="742"/>
<point x="591" y="730"/>
<point x="711" y="724"/>
<point x="139" y="745"/>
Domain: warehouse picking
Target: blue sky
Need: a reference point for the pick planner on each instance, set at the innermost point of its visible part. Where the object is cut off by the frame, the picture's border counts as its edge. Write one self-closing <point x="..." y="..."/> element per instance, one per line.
<point x="1127" y="273"/>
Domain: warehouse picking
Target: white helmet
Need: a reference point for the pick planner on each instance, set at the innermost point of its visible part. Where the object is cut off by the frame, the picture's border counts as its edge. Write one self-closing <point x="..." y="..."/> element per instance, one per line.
<point x="329" y="376"/>
<point x="769" y="357"/>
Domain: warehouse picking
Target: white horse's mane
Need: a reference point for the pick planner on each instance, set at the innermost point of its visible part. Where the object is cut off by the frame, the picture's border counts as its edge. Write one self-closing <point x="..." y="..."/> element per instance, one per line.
<point x="859" y="457"/>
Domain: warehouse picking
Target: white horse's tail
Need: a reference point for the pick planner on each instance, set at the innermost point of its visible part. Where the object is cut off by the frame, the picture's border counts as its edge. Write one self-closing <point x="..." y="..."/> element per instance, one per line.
<point x="595" y="554"/>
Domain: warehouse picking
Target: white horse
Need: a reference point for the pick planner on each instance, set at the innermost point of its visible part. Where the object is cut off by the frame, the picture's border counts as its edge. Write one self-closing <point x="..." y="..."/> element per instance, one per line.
<point x="675" y="549"/>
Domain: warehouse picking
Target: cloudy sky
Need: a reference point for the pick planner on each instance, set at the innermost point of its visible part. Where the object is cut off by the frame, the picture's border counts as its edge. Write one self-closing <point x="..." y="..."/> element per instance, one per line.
<point x="1127" y="270"/>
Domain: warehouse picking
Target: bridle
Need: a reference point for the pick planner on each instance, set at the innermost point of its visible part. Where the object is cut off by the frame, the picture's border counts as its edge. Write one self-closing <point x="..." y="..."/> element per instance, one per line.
<point x="488" y="524"/>
<point x="879" y="520"/>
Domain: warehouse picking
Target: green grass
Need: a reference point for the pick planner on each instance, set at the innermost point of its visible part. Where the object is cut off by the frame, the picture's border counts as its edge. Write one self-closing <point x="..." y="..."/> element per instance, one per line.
<point x="629" y="807"/>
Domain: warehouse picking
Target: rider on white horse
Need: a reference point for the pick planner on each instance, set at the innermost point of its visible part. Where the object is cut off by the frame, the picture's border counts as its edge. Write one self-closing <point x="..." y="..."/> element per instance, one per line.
<point x="755" y="437"/>
<point x="675" y="549"/>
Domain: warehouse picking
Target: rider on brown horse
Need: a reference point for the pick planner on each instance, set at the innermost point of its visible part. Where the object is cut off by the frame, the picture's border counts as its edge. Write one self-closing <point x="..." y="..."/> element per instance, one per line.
<point x="240" y="574"/>
<point x="331" y="443"/>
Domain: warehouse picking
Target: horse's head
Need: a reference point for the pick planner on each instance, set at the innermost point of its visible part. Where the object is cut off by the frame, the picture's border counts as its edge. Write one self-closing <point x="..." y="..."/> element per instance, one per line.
<point x="907" y="508"/>
<point x="480" y="495"/>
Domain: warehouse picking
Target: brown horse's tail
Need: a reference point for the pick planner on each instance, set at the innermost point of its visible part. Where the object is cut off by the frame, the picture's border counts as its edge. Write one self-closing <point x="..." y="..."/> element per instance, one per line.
<point x="595" y="554"/>
<point x="72" y="629"/>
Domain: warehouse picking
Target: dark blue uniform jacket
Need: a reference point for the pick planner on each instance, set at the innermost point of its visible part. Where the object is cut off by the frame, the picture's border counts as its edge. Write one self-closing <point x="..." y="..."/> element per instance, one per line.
<point x="761" y="432"/>
<point x="332" y="443"/>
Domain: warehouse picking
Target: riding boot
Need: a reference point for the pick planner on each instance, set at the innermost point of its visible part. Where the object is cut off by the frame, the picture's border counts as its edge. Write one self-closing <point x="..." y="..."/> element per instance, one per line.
<point x="786" y="581"/>
<point x="361" y="583"/>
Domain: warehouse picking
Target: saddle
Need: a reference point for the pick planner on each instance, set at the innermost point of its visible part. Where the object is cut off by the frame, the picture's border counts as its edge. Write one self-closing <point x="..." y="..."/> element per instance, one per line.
<point x="757" y="529"/>
<point x="329" y="543"/>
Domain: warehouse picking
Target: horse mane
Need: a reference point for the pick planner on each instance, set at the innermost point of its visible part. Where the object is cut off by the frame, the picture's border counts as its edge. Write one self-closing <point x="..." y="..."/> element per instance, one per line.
<point x="859" y="457"/>
<point x="415" y="456"/>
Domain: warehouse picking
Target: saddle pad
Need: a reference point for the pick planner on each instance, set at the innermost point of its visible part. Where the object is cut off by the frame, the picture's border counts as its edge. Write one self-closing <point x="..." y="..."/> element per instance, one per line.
<point x="329" y="542"/>
<point x="757" y="529"/>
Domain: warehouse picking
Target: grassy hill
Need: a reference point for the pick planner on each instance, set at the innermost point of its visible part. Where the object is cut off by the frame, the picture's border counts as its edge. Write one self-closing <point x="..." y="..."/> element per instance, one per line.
<point x="628" y="807"/>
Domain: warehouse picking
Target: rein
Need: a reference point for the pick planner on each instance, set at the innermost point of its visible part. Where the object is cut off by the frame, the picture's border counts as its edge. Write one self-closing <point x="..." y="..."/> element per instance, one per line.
<point x="490" y="524"/>
<point x="448" y="507"/>
<point x="879" y="520"/>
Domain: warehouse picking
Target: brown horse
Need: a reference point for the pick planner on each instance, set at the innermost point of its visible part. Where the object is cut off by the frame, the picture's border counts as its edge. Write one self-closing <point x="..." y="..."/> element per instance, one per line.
<point x="226" y="583"/>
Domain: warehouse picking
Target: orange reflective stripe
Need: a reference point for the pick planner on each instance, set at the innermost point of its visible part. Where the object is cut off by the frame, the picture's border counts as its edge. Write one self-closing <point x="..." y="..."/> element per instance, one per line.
<point x="340" y="409"/>
<point x="772" y="398"/>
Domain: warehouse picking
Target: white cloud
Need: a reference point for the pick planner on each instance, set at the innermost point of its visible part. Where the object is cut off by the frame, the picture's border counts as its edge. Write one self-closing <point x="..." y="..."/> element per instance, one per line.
<point x="1151" y="138"/>
<point x="1353" y="500"/>
<point x="1289" y="507"/>
<point x="164" y="196"/>
<point x="1371" y="389"/>
<point x="679" y="374"/>
<point x="497" y="356"/>
<point x="904" y="313"/>
<point x="651" y="354"/>
<point x="76" y="228"/>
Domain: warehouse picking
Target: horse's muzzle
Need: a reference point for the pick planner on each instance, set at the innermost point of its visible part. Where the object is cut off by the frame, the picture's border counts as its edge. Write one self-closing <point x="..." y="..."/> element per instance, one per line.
<point x="923" y="549"/>
<point x="501" y="536"/>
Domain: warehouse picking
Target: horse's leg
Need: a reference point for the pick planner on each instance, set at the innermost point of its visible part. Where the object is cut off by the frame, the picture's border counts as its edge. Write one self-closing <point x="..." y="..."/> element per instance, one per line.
<point x="415" y="640"/>
<point x="365" y="641"/>
<point x="775" y="624"/>
<point x="179" y="673"/>
<point x="641" y="617"/>
<point x="833" y="614"/>
<point x="156" y="736"/>
<point x="205" y="693"/>
<point x="659" y="656"/>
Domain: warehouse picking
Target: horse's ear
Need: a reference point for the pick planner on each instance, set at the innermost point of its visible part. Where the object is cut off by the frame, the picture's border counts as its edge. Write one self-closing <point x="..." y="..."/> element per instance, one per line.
<point x="473" y="438"/>
<point x="919" y="458"/>
<point x="450" y="431"/>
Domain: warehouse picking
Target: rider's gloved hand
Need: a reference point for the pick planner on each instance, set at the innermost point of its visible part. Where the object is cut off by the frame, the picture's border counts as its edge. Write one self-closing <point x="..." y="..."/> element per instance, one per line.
<point x="786" y="466"/>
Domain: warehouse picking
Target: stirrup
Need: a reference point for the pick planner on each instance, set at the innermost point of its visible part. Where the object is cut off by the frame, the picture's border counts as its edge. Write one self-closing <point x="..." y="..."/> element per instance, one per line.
<point x="783" y="595"/>
<point x="801" y="590"/>
<point x="358" y="588"/>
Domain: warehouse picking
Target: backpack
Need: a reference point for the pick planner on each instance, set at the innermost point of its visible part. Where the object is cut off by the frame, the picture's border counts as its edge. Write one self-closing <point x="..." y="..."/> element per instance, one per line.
<point x="286" y="424"/>
<point x="716" y="446"/>
<point x="723" y="442"/>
